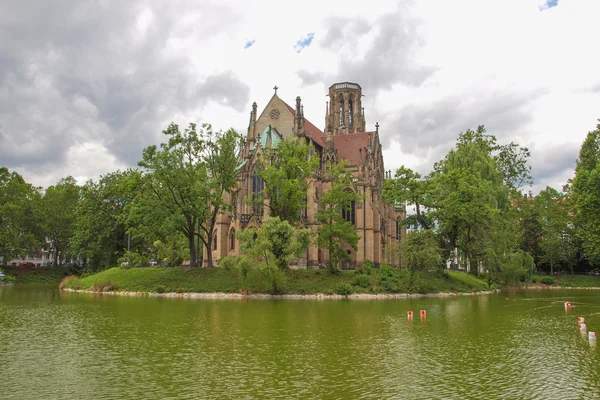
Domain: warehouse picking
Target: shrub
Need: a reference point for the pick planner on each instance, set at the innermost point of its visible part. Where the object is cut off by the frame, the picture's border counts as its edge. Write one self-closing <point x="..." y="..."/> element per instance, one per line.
<point x="533" y="280"/>
<point x="390" y="286"/>
<point x="385" y="270"/>
<point x="564" y="284"/>
<point x="365" y="269"/>
<point x="547" y="280"/>
<point x="159" y="289"/>
<point x="229" y="263"/>
<point x="344" y="289"/>
<point x="362" y="281"/>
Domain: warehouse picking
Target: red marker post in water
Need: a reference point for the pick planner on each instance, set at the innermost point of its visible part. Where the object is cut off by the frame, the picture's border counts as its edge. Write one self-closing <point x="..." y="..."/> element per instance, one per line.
<point x="410" y="314"/>
<point x="423" y="314"/>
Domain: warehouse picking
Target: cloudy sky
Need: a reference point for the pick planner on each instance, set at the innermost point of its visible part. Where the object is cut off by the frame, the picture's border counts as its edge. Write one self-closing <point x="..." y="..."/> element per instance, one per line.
<point x="86" y="85"/>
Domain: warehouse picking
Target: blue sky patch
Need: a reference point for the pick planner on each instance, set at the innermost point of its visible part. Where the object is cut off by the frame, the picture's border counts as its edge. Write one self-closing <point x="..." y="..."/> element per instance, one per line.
<point x="549" y="4"/>
<point x="304" y="42"/>
<point x="249" y="43"/>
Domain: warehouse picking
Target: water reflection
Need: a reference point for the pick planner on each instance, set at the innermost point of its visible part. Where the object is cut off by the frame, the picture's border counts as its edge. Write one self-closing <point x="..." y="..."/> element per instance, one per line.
<point x="515" y="345"/>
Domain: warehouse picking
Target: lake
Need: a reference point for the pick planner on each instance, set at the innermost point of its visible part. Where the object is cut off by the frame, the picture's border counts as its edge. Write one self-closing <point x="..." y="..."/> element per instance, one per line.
<point x="521" y="344"/>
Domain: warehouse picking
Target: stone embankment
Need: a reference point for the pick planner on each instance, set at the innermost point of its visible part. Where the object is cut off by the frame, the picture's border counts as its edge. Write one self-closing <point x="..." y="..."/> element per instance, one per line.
<point x="319" y="296"/>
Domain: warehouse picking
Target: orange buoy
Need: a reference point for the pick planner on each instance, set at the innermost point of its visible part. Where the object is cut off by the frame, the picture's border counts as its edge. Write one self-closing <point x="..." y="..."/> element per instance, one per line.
<point x="580" y="320"/>
<point x="592" y="335"/>
<point x="410" y="314"/>
<point x="423" y="314"/>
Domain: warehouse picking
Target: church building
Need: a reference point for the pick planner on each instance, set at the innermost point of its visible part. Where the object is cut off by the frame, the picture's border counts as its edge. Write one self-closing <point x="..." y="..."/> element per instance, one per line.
<point x="345" y="137"/>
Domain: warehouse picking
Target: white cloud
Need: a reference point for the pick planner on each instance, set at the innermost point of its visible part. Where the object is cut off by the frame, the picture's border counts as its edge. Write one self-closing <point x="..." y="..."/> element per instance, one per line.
<point x="106" y="82"/>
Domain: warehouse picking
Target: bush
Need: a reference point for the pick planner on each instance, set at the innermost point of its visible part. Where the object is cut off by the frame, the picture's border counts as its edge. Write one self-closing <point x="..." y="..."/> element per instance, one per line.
<point x="365" y="269"/>
<point x="547" y="280"/>
<point x="229" y="263"/>
<point x="362" y="281"/>
<point x="344" y="289"/>
<point x="564" y="284"/>
<point x="159" y="289"/>
<point x="385" y="270"/>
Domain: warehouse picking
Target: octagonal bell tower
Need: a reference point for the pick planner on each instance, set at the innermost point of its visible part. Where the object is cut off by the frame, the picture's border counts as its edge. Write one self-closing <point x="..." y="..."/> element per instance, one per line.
<point x="345" y="113"/>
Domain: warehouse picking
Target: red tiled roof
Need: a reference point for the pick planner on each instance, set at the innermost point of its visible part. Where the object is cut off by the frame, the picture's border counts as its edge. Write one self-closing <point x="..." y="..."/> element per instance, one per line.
<point x="349" y="145"/>
<point x="311" y="131"/>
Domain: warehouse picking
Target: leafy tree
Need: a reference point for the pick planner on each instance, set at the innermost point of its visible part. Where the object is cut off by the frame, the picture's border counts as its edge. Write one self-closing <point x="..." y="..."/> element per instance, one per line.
<point x="273" y="246"/>
<point x="287" y="171"/>
<point x="556" y="239"/>
<point x="530" y="229"/>
<point x="20" y="216"/>
<point x="421" y="251"/>
<point x="59" y="208"/>
<point x="470" y="197"/>
<point x="100" y="233"/>
<point x="410" y="186"/>
<point x="585" y="190"/>
<point x="335" y="233"/>
<point x="510" y="159"/>
<point x="187" y="178"/>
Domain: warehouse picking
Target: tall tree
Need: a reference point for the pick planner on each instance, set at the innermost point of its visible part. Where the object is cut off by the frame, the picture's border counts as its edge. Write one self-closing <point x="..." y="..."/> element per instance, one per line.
<point x="556" y="242"/>
<point x="187" y="179"/>
<point x="411" y="187"/>
<point x="470" y="196"/>
<point x="20" y="216"/>
<point x="421" y="251"/>
<point x="100" y="234"/>
<point x="59" y="208"/>
<point x="585" y="191"/>
<point x="336" y="233"/>
<point x="287" y="172"/>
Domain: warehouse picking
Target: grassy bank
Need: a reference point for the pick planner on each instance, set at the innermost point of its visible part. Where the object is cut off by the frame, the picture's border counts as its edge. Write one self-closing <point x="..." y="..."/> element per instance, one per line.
<point x="583" y="281"/>
<point x="202" y="280"/>
<point x="38" y="274"/>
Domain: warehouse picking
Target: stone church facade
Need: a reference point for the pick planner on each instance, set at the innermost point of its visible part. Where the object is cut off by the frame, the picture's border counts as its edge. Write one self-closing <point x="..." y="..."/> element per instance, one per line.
<point x="377" y="223"/>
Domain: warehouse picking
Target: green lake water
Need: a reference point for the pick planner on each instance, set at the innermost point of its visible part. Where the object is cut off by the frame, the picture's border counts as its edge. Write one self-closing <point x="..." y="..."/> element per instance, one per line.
<point x="515" y="345"/>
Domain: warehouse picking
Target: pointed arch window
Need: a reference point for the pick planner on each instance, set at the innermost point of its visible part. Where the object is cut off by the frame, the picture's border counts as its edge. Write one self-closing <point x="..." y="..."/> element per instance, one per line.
<point x="349" y="214"/>
<point x="342" y="112"/>
<point x="258" y="186"/>
<point x="215" y="240"/>
<point x="232" y="239"/>
<point x="350" y="112"/>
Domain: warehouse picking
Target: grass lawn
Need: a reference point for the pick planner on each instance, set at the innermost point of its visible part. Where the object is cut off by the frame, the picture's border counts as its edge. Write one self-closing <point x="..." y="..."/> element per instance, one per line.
<point x="568" y="280"/>
<point x="37" y="274"/>
<point x="203" y="280"/>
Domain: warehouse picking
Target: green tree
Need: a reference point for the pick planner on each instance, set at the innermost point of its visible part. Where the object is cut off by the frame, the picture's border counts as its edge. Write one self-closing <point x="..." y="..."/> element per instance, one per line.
<point x="556" y="239"/>
<point x="585" y="191"/>
<point x="421" y="251"/>
<point x="273" y="246"/>
<point x="470" y="197"/>
<point x="287" y="171"/>
<point x="100" y="233"/>
<point x="411" y="187"/>
<point x="335" y="233"/>
<point x="187" y="179"/>
<point x="20" y="216"/>
<point x="59" y="207"/>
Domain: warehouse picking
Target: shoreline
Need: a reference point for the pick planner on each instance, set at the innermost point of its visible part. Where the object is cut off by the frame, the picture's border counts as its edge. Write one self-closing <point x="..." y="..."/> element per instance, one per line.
<point x="264" y="296"/>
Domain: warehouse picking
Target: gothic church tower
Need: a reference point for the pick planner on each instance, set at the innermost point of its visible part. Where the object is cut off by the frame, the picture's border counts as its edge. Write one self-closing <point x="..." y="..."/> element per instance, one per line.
<point x="345" y="113"/>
